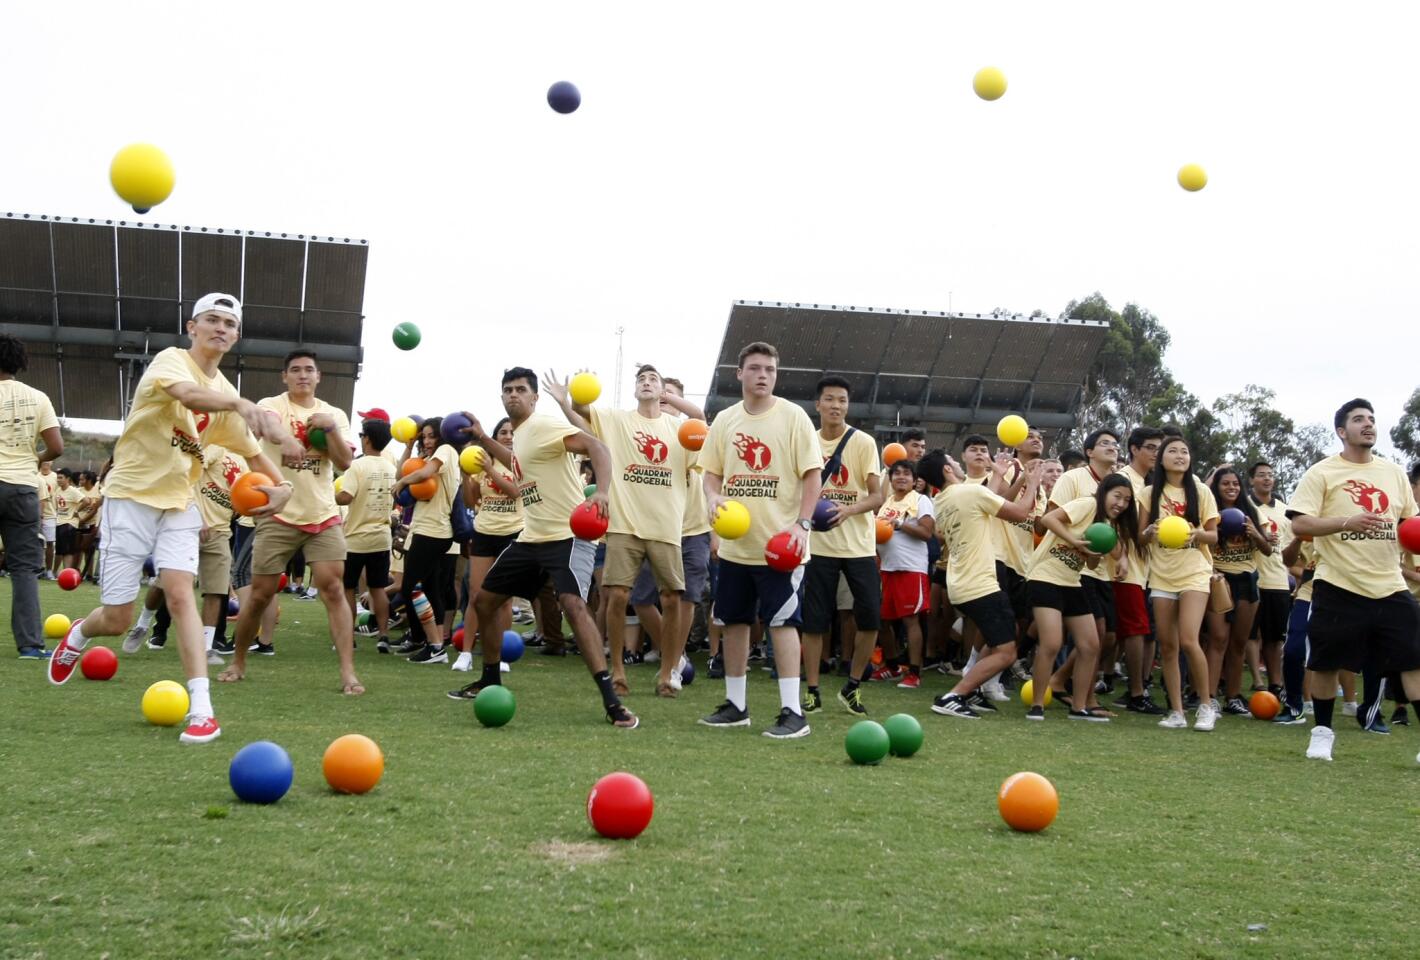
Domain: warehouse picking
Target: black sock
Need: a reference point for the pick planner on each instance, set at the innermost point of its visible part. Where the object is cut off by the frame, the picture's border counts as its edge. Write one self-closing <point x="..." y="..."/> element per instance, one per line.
<point x="867" y="672"/>
<point x="492" y="676"/>
<point x="609" y="698"/>
<point x="1324" y="710"/>
<point x="850" y="686"/>
<point x="813" y="690"/>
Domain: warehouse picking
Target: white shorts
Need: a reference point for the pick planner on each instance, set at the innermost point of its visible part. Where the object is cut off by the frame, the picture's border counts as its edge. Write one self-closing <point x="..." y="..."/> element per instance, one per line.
<point x="131" y="532"/>
<point x="46" y="529"/>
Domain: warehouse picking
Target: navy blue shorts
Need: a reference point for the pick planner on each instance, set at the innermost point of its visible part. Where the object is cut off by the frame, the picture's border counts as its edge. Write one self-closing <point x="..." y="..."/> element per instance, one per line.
<point x="748" y="594"/>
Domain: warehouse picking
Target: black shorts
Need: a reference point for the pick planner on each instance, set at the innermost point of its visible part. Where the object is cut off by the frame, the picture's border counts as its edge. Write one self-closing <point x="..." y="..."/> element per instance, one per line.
<point x="375" y="566"/>
<point x="749" y="594"/>
<point x="523" y="568"/>
<point x="1070" y="601"/>
<point x="64" y="539"/>
<point x="938" y="576"/>
<point x="1243" y="587"/>
<point x="1274" y="609"/>
<point x="1013" y="585"/>
<point x="821" y="592"/>
<point x="1100" y="596"/>
<point x="489" y="544"/>
<point x="993" y="616"/>
<point x="1347" y="631"/>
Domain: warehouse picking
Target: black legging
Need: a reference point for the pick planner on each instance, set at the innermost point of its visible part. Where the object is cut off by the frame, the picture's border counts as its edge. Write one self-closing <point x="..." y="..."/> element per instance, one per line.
<point x="422" y="560"/>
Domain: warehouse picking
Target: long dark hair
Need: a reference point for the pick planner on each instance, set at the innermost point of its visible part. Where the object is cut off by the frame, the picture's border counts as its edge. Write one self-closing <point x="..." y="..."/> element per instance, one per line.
<point x="1160" y="476"/>
<point x="1244" y="500"/>
<point x="1127" y="523"/>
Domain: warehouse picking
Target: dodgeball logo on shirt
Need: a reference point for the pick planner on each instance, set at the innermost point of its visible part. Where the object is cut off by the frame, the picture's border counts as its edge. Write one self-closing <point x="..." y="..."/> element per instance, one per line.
<point x="839" y="477"/>
<point x="529" y="489"/>
<point x="757" y="456"/>
<point x="1369" y="498"/>
<point x="1068" y="555"/>
<point x="651" y="473"/>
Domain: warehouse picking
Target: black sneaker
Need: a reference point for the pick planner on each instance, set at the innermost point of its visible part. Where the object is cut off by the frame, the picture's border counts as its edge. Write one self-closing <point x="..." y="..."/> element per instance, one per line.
<point x="466" y="692"/>
<point x="410" y="646"/>
<point x="431" y="654"/>
<point x="156" y="642"/>
<point x="1087" y="716"/>
<point x="1289" y="718"/>
<point x="976" y="700"/>
<point x="1236" y="707"/>
<point x="534" y="640"/>
<point x="813" y="703"/>
<point x="1377" y="726"/>
<point x="717" y="667"/>
<point x="1144" y="704"/>
<point x="1191" y="701"/>
<point x="952" y="705"/>
<point x="1401" y="718"/>
<point x="622" y="718"/>
<point x="1035" y="713"/>
<point x="555" y="648"/>
<point x="727" y="715"/>
<point x="1105" y="684"/>
<point x="853" y="700"/>
<point x="383" y="645"/>
<point x="845" y="668"/>
<point x="262" y="649"/>
<point x="756" y="654"/>
<point x="789" y="726"/>
<point x="224" y="646"/>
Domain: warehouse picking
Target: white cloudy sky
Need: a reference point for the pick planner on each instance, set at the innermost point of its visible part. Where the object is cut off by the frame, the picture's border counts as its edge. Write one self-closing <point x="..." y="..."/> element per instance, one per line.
<point x="821" y="151"/>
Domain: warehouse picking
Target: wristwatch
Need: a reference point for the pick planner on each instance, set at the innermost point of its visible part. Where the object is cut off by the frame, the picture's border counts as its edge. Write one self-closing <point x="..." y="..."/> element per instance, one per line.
<point x="805" y="524"/>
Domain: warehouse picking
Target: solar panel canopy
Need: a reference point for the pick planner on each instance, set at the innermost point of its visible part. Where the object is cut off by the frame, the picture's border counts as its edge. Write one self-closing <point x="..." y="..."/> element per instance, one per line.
<point x="94" y="300"/>
<point x="949" y="374"/>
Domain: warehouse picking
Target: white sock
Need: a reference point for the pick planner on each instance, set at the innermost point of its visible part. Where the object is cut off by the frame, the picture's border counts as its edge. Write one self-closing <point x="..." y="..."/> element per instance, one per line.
<point x="208" y="635"/>
<point x="146" y="618"/>
<point x="77" y="640"/>
<point x="735" y="691"/>
<point x="789" y="695"/>
<point x="970" y="662"/>
<point x="201" y="701"/>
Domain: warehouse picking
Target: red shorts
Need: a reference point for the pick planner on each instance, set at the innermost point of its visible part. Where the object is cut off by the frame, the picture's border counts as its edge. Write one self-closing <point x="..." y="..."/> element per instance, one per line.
<point x="1131" y="611"/>
<point x="906" y="593"/>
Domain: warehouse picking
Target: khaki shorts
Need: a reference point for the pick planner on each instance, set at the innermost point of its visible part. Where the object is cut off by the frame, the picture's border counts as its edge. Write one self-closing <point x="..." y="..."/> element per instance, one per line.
<point x="623" y="561"/>
<point x="214" y="564"/>
<point x="277" y="543"/>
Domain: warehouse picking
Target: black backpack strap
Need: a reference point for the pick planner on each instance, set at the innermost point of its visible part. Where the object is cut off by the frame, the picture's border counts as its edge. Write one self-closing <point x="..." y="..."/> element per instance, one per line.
<point x="835" y="461"/>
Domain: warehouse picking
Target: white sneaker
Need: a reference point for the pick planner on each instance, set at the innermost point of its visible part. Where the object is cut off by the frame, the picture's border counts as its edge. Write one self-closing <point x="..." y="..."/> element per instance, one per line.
<point x="1348" y="709"/>
<point x="463" y="663"/>
<point x="676" y="683"/>
<point x="992" y="690"/>
<point x="1206" y="717"/>
<point x="651" y="656"/>
<point x="1309" y="709"/>
<point x="214" y="659"/>
<point x="503" y="667"/>
<point x="1174" y="721"/>
<point x="1320" y="746"/>
<point x="134" y="641"/>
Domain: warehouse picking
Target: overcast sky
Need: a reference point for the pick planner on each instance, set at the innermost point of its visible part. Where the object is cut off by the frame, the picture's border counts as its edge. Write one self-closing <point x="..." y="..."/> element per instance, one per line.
<point x="789" y="151"/>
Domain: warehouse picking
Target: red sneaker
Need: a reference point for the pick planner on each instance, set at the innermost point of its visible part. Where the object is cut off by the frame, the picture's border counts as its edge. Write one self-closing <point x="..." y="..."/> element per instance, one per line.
<point x="201" y="730"/>
<point x="910" y="682"/>
<point x="63" y="661"/>
<point x="884" y="673"/>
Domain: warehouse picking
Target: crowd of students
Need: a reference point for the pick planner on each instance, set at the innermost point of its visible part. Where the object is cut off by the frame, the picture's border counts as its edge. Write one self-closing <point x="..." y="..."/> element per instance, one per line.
<point x="992" y="568"/>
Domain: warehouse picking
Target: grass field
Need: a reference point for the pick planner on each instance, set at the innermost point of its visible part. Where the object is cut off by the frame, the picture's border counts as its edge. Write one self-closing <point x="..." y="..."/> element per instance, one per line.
<point x="119" y="842"/>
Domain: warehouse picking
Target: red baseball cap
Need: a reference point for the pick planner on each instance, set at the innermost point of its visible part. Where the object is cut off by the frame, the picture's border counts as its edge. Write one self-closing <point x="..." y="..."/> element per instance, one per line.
<point x="374" y="413"/>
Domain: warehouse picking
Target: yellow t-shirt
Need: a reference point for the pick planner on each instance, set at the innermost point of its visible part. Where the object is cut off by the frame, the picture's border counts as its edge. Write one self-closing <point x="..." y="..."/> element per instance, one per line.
<point x="964" y="513"/>
<point x="696" y="519"/>
<point x="89" y="501"/>
<point x="1271" y="571"/>
<point x="547" y="477"/>
<point x="214" y="487"/>
<point x="1185" y="568"/>
<point x="24" y="414"/>
<point x="1015" y="542"/>
<point x="648" y="463"/>
<point x="1364" y="563"/>
<point x="1308" y="557"/>
<point x="159" y="454"/>
<point x="1059" y="563"/>
<point x="762" y="461"/>
<point x="312" y="500"/>
<point x="431" y="517"/>
<point x="47" y="484"/>
<point x="853" y="537"/>
<point x="1234" y="554"/>
<point x="499" y="515"/>
<point x="1137" y="566"/>
<point x="367" y="516"/>
<point x="66" y="499"/>
<point x="1072" y="485"/>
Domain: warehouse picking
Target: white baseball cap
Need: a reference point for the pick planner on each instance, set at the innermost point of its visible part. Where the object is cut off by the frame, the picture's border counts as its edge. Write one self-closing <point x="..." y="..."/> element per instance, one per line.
<point x="219" y="302"/>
